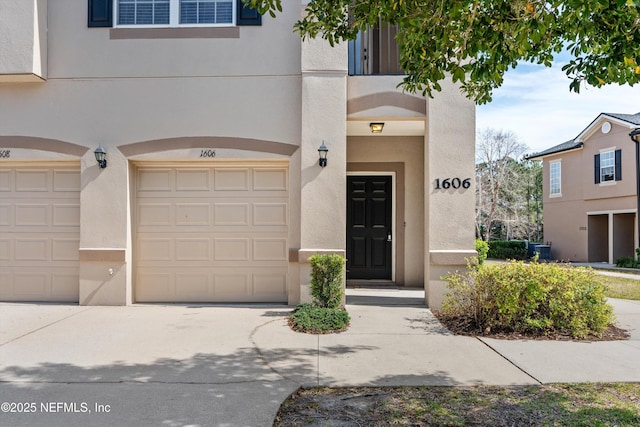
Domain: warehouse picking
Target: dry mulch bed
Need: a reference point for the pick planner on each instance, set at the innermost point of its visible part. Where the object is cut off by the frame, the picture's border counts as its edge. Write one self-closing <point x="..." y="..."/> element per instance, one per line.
<point x="464" y="326"/>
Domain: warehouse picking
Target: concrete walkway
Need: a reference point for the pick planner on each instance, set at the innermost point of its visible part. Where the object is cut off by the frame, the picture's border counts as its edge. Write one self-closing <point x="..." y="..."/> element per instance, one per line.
<point x="234" y="365"/>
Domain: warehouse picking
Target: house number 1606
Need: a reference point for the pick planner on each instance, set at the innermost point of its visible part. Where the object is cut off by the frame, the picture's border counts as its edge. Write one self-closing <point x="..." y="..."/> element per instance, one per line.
<point x="452" y="183"/>
<point x="207" y="153"/>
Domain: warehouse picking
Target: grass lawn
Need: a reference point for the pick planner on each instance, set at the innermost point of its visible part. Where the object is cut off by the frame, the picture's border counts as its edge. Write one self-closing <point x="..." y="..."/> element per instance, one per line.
<point x="616" y="404"/>
<point x="620" y="287"/>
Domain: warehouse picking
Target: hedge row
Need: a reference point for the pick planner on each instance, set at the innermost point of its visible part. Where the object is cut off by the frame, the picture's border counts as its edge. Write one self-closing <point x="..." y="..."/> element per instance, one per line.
<point x="507" y="249"/>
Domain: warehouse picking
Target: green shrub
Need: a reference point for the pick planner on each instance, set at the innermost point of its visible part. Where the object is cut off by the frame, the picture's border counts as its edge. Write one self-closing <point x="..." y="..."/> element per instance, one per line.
<point x="326" y="280"/>
<point x="318" y="320"/>
<point x="539" y="299"/>
<point x="507" y="249"/>
<point x="626" y="262"/>
<point x="482" y="248"/>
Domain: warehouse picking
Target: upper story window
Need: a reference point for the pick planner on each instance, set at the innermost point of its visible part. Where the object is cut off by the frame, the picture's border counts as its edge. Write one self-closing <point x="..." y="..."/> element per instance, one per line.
<point x="608" y="166"/>
<point x="175" y="13"/>
<point x="555" y="179"/>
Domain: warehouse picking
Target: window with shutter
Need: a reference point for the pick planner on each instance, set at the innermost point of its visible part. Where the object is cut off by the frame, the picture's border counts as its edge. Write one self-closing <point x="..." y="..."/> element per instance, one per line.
<point x="172" y="13"/>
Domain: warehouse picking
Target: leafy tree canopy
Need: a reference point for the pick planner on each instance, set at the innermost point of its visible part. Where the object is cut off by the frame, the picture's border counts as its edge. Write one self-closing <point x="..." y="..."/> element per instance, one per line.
<point x="477" y="41"/>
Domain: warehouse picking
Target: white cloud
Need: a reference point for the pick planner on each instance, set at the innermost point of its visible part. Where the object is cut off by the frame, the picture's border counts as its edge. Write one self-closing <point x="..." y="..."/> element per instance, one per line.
<point x="535" y="103"/>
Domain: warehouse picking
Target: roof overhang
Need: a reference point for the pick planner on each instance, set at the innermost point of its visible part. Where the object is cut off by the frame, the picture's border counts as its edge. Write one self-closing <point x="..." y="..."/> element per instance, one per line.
<point x="595" y="125"/>
<point x="555" y="153"/>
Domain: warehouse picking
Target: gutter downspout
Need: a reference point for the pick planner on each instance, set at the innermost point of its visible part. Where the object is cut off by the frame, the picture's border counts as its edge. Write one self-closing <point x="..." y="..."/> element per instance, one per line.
<point x="635" y="137"/>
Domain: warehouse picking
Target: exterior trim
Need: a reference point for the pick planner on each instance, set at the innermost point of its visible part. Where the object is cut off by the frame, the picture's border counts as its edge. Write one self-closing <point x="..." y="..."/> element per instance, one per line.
<point x="387" y="99"/>
<point x="451" y="257"/>
<point x="167" y="144"/>
<point x="102" y="255"/>
<point x="619" y="211"/>
<point x="305" y="254"/>
<point x="44" y="144"/>
<point x="399" y="191"/>
<point x="175" y="33"/>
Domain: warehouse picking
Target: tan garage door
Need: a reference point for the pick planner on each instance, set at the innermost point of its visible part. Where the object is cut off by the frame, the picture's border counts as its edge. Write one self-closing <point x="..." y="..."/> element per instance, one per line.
<point x="211" y="234"/>
<point x="39" y="233"/>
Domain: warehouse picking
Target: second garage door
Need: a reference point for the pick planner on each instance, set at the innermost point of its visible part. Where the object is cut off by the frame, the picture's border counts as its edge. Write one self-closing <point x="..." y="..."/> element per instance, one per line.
<point x="212" y="234"/>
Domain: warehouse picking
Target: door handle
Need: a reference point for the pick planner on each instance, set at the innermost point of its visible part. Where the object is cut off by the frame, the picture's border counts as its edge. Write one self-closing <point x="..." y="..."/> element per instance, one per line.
<point x="389" y="237"/>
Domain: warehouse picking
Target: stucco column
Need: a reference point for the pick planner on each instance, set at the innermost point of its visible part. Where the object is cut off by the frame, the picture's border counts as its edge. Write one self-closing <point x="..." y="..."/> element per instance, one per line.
<point x="323" y="189"/>
<point x="104" y="214"/>
<point x="450" y="156"/>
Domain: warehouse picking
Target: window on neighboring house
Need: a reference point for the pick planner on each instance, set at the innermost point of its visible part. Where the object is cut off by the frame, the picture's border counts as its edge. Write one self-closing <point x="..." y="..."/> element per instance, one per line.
<point x="175" y="12"/>
<point x="607" y="166"/>
<point x="555" y="176"/>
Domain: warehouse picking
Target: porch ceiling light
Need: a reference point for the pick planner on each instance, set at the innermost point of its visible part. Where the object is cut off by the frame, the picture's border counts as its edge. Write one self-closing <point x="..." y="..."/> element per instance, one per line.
<point x="101" y="157"/>
<point x="322" y="152"/>
<point x="376" y="127"/>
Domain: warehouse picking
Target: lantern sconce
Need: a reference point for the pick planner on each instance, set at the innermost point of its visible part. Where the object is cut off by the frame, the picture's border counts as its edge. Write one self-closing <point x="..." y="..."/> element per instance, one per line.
<point x="322" y="152"/>
<point x="101" y="157"/>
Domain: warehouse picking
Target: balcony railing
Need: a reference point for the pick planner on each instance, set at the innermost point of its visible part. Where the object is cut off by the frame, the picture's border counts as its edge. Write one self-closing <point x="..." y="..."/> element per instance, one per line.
<point x="375" y="51"/>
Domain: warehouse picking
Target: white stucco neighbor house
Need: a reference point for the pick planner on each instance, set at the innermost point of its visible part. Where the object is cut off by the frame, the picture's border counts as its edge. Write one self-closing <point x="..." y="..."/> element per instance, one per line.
<point x="210" y="118"/>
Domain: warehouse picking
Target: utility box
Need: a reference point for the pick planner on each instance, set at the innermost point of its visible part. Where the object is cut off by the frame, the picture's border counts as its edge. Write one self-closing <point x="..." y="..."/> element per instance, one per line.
<point x="543" y="251"/>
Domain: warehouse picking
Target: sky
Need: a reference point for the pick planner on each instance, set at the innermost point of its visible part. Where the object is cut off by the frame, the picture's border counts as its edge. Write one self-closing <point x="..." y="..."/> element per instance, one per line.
<point x="534" y="103"/>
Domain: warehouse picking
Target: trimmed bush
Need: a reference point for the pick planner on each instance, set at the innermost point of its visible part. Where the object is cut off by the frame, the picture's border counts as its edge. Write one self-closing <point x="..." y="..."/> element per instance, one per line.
<point x="627" y="262"/>
<point x="326" y="280"/>
<point x="536" y="299"/>
<point x="482" y="248"/>
<point x="507" y="249"/>
<point x="317" y="320"/>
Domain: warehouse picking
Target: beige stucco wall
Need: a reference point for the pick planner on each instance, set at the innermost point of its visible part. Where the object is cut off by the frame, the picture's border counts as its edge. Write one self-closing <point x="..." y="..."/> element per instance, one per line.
<point x="23" y="40"/>
<point x="566" y="222"/>
<point x="450" y="144"/>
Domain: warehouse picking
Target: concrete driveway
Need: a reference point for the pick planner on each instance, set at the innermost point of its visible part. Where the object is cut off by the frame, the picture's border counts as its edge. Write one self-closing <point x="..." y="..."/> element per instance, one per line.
<point x="234" y="365"/>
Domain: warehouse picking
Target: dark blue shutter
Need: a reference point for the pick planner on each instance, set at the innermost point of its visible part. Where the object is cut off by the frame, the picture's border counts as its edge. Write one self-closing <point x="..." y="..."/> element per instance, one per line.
<point x="100" y="13"/>
<point x="246" y="15"/>
<point x="618" y="165"/>
<point x="596" y="168"/>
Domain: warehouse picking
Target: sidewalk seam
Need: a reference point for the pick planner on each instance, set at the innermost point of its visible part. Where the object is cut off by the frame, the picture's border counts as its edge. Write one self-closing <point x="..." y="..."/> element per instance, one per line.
<point x="508" y="360"/>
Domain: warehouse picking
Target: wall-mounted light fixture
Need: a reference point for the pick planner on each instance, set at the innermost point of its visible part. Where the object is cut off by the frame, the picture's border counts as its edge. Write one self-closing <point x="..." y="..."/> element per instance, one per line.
<point x="101" y="157"/>
<point x="635" y="137"/>
<point x="322" y="152"/>
<point x="376" y="127"/>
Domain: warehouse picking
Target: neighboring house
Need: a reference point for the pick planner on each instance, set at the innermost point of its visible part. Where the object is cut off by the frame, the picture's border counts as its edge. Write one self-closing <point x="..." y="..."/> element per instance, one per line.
<point x="211" y="118"/>
<point x="589" y="189"/>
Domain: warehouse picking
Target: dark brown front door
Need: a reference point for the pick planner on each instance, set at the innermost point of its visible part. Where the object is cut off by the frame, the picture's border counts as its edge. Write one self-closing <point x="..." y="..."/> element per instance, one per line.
<point x="369" y="236"/>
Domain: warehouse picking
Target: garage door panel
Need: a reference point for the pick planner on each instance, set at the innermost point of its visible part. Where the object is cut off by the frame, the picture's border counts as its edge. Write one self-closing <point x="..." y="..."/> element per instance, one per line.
<point x="270" y="214"/>
<point x="154" y="180"/>
<point x="6" y="215"/>
<point x="231" y="249"/>
<point x="154" y="286"/>
<point x="193" y="180"/>
<point x="155" y="249"/>
<point x="193" y="214"/>
<point x="270" y="249"/>
<point x="32" y="180"/>
<point x="31" y="249"/>
<point x="226" y="226"/>
<point x="65" y="285"/>
<point x="65" y="249"/>
<point x="193" y="286"/>
<point x="193" y="249"/>
<point x="32" y="215"/>
<point x="66" y="181"/>
<point x="66" y="215"/>
<point x="270" y="179"/>
<point x="231" y="179"/>
<point x="231" y="214"/>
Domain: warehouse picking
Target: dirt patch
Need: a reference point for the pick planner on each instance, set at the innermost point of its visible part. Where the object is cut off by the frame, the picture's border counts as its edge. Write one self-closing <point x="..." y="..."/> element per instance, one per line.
<point x="591" y="404"/>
